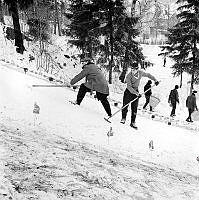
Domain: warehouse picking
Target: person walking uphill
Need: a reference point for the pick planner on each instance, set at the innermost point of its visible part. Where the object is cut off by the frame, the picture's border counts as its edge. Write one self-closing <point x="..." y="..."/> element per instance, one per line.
<point x="95" y="81"/>
<point x="131" y="92"/>
<point x="191" y="105"/>
<point x="173" y="100"/>
<point x="148" y="93"/>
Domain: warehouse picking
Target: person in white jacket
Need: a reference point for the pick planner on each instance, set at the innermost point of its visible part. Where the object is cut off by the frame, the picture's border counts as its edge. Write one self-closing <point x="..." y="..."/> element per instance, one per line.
<point x="132" y="92"/>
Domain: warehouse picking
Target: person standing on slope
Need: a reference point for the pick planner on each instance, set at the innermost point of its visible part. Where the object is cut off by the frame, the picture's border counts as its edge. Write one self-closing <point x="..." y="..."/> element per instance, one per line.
<point x="148" y="93"/>
<point x="191" y="105"/>
<point x="173" y="100"/>
<point x="95" y="81"/>
<point x="132" y="92"/>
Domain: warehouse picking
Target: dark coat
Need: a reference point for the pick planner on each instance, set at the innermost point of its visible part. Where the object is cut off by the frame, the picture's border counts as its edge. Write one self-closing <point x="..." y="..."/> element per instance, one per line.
<point x="147" y="88"/>
<point x="173" y="96"/>
<point x="191" y="102"/>
<point x="95" y="79"/>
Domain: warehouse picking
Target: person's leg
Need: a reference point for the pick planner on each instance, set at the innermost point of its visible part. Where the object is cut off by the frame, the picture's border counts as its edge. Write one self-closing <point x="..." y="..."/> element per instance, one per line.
<point x="134" y="106"/>
<point x="147" y="101"/>
<point x="189" y="117"/>
<point x="126" y="99"/>
<point x="104" y="101"/>
<point x="190" y="112"/>
<point x="173" y="109"/>
<point x="81" y="93"/>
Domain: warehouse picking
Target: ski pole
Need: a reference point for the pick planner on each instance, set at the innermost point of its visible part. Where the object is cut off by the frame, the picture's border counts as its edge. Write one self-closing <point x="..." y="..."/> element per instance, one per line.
<point x="107" y="119"/>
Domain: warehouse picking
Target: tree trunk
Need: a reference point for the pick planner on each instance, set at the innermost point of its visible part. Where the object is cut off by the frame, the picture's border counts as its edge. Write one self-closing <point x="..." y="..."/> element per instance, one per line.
<point x="18" y="35"/>
<point x="57" y="18"/>
<point x="111" y="40"/>
<point x="1" y="13"/>
<point x="194" y="64"/>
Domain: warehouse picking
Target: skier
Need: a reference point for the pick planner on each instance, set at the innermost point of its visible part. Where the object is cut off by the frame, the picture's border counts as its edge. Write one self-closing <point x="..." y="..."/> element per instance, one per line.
<point x="148" y="92"/>
<point x="173" y="100"/>
<point x="131" y="92"/>
<point x="95" y="81"/>
<point x="191" y="105"/>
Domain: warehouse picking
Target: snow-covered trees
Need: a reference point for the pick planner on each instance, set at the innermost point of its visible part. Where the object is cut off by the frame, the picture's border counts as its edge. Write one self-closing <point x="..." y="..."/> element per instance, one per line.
<point x="183" y="39"/>
<point x="13" y="7"/>
<point x="108" y="19"/>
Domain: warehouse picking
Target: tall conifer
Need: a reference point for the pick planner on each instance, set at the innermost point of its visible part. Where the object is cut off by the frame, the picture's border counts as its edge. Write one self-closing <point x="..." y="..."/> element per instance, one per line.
<point x="183" y="38"/>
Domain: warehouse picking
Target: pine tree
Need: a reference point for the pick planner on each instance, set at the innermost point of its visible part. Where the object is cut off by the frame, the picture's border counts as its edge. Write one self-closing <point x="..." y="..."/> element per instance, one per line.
<point x="109" y="19"/>
<point x="13" y="7"/>
<point x="183" y="39"/>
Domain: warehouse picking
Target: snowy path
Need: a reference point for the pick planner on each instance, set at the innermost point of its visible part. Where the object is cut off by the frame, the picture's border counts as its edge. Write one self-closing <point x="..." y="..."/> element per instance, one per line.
<point x="66" y="155"/>
<point x="58" y="168"/>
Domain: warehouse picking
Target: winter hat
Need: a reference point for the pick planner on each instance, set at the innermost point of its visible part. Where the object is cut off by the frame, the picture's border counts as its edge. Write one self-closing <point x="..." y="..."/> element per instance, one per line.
<point x="134" y="65"/>
<point x="149" y="81"/>
<point x="176" y="87"/>
<point x="86" y="59"/>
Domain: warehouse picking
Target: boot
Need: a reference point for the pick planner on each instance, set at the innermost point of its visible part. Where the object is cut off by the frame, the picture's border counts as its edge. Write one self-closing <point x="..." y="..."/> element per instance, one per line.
<point x="123" y="120"/>
<point x="133" y="125"/>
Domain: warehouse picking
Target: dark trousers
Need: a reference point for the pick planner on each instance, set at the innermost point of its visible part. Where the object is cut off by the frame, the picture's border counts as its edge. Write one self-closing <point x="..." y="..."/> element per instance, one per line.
<point x="173" y="108"/>
<point x="101" y="97"/>
<point x="126" y="99"/>
<point x="147" y="102"/>
<point x="190" y="112"/>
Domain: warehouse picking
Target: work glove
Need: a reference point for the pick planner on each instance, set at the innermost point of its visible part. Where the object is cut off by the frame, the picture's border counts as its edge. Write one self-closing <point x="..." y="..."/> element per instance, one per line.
<point x="74" y="87"/>
<point x="157" y="83"/>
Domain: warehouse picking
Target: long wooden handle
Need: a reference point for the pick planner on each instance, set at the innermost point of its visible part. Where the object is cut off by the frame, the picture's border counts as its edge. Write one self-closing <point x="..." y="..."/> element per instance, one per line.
<point x="49" y="86"/>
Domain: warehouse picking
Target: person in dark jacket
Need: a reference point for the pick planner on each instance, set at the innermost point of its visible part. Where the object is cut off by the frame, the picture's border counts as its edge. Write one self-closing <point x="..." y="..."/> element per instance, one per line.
<point x="191" y="105"/>
<point x="132" y="94"/>
<point x="148" y="93"/>
<point x="173" y="100"/>
<point x="95" y="81"/>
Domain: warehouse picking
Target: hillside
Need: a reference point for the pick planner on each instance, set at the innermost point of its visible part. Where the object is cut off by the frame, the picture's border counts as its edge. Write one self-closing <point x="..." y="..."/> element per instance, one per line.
<point x="64" y="152"/>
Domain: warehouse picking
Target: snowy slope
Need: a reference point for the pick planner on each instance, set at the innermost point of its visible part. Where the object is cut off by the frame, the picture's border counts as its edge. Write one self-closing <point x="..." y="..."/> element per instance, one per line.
<point x="64" y="152"/>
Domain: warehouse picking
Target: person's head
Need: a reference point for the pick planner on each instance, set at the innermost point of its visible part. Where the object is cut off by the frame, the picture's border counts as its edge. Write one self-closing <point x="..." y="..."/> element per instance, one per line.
<point x="134" y="67"/>
<point x="176" y="87"/>
<point x="86" y="59"/>
<point x="149" y="82"/>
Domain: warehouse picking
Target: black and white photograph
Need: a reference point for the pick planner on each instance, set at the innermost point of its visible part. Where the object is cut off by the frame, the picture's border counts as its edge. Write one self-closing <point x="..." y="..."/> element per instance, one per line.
<point x="99" y="99"/>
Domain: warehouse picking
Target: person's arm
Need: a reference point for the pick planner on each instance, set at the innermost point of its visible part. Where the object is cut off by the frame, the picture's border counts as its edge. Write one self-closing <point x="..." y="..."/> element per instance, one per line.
<point x="169" y="99"/>
<point x="79" y="76"/>
<point x="195" y="104"/>
<point x="149" y="76"/>
<point x="177" y="97"/>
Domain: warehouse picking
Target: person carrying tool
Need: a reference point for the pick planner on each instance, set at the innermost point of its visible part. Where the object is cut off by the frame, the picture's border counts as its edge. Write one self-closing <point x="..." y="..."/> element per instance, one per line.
<point x="95" y="81"/>
<point x="191" y="105"/>
<point x="148" y="93"/>
<point x="173" y="100"/>
<point x="132" y="93"/>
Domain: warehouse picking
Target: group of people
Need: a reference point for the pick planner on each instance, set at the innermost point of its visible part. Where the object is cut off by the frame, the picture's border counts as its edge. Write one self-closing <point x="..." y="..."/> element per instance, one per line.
<point x="95" y="81"/>
<point x="190" y="102"/>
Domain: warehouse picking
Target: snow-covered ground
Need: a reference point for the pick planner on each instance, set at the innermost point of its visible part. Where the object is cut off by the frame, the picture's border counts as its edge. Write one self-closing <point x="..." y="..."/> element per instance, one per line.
<point x="64" y="152"/>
